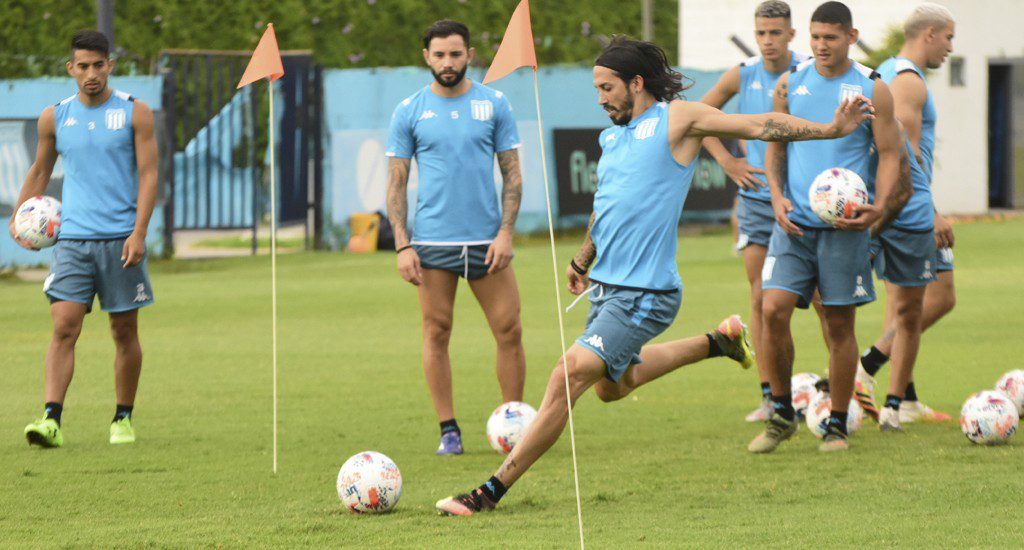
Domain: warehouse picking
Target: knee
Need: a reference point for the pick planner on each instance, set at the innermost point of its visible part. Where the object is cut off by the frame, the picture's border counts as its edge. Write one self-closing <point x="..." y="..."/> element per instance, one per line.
<point x="756" y="297"/>
<point x="578" y="380"/>
<point x="437" y="329"/>
<point x="510" y="332"/>
<point x="773" y="314"/>
<point x="124" y="333"/>
<point x="66" y="331"/>
<point x="608" y="393"/>
<point x="947" y="304"/>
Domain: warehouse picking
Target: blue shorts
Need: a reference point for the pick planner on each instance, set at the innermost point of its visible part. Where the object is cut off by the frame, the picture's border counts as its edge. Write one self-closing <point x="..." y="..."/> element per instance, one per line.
<point x="463" y="260"/>
<point x="756" y="220"/>
<point x="622" y="320"/>
<point x="79" y="270"/>
<point x="943" y="259"/>
<point x="836" y="263"/>
<point x="905" y="258"/>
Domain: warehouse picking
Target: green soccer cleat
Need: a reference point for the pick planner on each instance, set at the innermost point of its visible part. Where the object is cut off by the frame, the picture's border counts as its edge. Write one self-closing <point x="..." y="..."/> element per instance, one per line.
<point x="734" y="339"/>
<point x="44" y="432"/>
<point x="121" y="431"/>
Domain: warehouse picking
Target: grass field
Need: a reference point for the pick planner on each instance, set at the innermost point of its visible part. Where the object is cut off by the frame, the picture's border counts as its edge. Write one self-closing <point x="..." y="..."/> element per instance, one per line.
<point x="666" y="468"/>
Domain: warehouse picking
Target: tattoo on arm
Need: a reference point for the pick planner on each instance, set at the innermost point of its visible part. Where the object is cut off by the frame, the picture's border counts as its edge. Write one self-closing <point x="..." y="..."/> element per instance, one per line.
<point x="781" y="130"/>
<point x="398" y="181"/>
<point x="898" y="197"/>
<point x="782" y="91"/>
<point x="585" y="257"/>
<point x="780" y="168"/>
<point x="511" y="188"/>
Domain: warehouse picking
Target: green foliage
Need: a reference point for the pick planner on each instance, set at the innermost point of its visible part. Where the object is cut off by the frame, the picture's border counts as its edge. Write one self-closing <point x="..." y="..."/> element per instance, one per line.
<point x="891" y="45"/>
<point x="346" y="33"/>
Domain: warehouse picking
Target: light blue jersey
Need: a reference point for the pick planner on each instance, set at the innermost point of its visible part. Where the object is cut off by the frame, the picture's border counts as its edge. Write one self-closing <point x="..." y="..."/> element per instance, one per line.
<point x="757" y="88"/>
<point x="815" y="98"/>
<point x="640" y="193"/>
<point x="454" y="141"/>
<point x="101" y="185"/>
<point x="888" y="71"/>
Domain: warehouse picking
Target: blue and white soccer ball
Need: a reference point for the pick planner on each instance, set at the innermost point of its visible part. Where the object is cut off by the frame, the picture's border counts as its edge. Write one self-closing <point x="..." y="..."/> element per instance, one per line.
<point x="834" y="192"/>
<point x="507" y="424"/>
<point x="988" y="418"/>
<point x="803" y="391"/>
<point x="820" y="409"/>
<point x="369" y="483"/>
<point x="1011" y="385"/>
<point x="37" y="221"/>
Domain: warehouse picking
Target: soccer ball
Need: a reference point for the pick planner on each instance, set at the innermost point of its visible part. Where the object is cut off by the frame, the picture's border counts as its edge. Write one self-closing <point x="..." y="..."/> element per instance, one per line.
<point x="803" y="390"/>
<point x="1012" y="385"/>
<point x="988" y="418"/>
<point x="820" y="409"/>
<point x="369" y="483"/>
<point x="507" y="424"/>
<point x="834" y="192"/>
<point x="38" y="221"/>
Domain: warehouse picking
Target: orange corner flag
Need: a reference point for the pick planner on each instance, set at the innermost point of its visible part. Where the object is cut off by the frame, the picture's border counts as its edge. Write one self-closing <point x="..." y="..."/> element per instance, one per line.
<point x="516" y="48"/>
<point x="266" y="60"/>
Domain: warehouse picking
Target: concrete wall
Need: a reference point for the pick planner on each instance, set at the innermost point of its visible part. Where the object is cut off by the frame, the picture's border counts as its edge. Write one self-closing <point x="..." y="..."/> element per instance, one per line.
<point x="986" y="30"/>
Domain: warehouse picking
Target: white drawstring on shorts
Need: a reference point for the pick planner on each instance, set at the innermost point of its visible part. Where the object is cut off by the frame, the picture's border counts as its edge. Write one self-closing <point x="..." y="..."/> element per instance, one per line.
<point x="590" y="289"/>
<point x="465" y="256"/>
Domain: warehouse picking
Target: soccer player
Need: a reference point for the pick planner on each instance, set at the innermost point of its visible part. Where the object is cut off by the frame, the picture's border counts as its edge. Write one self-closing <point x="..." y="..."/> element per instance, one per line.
<point x="454" y="127"/>
<point x="646" y="166"/>
<point x="805" y="254"/>
<point x="105" y="137"/>
<point x="754" y="80"/>
<point x="929" y="39"/>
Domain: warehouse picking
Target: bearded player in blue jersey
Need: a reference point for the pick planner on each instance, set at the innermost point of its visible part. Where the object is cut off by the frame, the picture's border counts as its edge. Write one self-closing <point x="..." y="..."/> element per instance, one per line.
<point x="454" y="128"/>
<point x="106" y="140"/>
<point x="929" y="31"/>
<point x="807" y="256"/>
<point x="628" y="260"/>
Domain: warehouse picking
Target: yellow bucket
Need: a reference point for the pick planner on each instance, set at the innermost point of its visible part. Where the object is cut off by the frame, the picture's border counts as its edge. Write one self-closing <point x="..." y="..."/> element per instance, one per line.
<point x="363" y="229"/>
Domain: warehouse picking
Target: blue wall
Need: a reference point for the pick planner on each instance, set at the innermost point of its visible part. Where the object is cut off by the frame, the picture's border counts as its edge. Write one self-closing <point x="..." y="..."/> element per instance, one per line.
<point x="21" y="101"/>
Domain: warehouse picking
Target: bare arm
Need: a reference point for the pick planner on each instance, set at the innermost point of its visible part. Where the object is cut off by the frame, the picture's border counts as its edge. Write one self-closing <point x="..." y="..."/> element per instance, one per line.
<point x="398" y="182"/>
<point x="893" y="186"/>
<point x="511" y="188"/>
<point x="147" y="161"/>
<point x="585" y="257"/>
<point x="39" y="173"/>
<point x="909" y="95"/>
<point x="735" y="167"/>
<point x="777" y="164"/>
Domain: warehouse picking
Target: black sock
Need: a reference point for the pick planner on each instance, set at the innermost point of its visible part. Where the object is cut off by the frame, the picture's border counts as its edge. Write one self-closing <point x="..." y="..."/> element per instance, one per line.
<point x="766" y="390"/>
<point x="714" y="350"/>
<point x="837" y="420"/>
<point x="54" y="410"/>
<point x="450" y="426"/>
<point x="123" y="411"/>
<point x="911" y="393"/>
<point x="494" y="489"/>
<point x="872" y="360"/>
<point x="783" y="405"/>
<point x="893" y="401"/>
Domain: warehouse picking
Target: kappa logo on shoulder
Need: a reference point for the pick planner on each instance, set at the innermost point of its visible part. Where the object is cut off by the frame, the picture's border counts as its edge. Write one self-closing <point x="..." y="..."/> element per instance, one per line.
<point x="71" y="121"/>
<point x="428" y="114"/>
<point x="801" y="90"/>
<point x="595" y="341"/>
<point x="756" y="85"/>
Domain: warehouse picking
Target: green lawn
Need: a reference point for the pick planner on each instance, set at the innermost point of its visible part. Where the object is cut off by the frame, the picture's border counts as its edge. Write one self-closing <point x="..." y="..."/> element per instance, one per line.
<point x="666" y="468"/>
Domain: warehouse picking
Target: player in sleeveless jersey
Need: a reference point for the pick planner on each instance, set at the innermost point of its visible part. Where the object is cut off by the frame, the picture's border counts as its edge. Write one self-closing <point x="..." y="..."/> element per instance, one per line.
<point x="807" y="256"/>
<point x="754" y="81"/>
<point x="929" y="31"/>
<point x="454" y="127"/>
<point x="105" y="138"/>
<point x="627" y="263"/>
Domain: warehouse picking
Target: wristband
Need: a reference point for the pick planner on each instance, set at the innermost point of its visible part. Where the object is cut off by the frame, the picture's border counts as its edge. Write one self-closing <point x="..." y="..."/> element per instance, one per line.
<point x="403" y="249"/>
<point x="576" y="268"/>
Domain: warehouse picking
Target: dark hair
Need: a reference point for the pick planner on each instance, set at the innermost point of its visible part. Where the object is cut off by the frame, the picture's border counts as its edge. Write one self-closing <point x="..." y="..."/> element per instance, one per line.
<point x="833" y="13"/>
<point x="630" y="58"/>
<point x="443" y="29"/>
<point x="772" y="9"/>
<point x="88" y="39"/>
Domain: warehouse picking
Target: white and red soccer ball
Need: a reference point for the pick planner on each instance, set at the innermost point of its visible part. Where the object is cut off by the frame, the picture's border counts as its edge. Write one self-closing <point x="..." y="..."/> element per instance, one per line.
<point x="803" y="391"/>
<point x="834" y="193"/>
<point x="820" y="409"/>
<point x="37" y="221"/>
<point x="1012" y="386"/>
<point x="988" y="418"/>
<point x="369" y="483"/>
<point x="507" y="424"/>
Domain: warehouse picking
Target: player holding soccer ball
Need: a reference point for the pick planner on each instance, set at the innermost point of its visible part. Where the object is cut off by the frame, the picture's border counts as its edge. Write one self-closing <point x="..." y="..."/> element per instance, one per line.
<point x="110" y="162"/>
<point x="805" y="253"/>
<point x="646" y="166"/>
<point x="929" y="39"/>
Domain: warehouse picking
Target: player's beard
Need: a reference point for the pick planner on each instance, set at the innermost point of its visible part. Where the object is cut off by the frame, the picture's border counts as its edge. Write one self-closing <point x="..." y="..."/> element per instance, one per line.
<point x="624" y="112"/>
<point x="93" y="92"/>
<point x="450" y="83"/>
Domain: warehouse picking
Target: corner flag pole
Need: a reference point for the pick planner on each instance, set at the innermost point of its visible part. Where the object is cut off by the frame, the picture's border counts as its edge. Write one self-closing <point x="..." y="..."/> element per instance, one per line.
<point x="266" y="63"/>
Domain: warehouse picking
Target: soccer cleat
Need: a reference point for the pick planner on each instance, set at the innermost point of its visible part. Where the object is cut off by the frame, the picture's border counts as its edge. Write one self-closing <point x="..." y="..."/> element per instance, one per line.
<point x="776" y="430"/>
<point x="121" y="431"/>
<point x="915" y="411"/>
<point x="451" y="444"/>
<point x="889" y="420"/>
<point x="864" y="392"/>
<point x="465" y="504"/>
<point x="44" y="432"/>
<point x="762" y="413"/>
<point x="834" y="440"/>
<point x="732" y="336"/>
